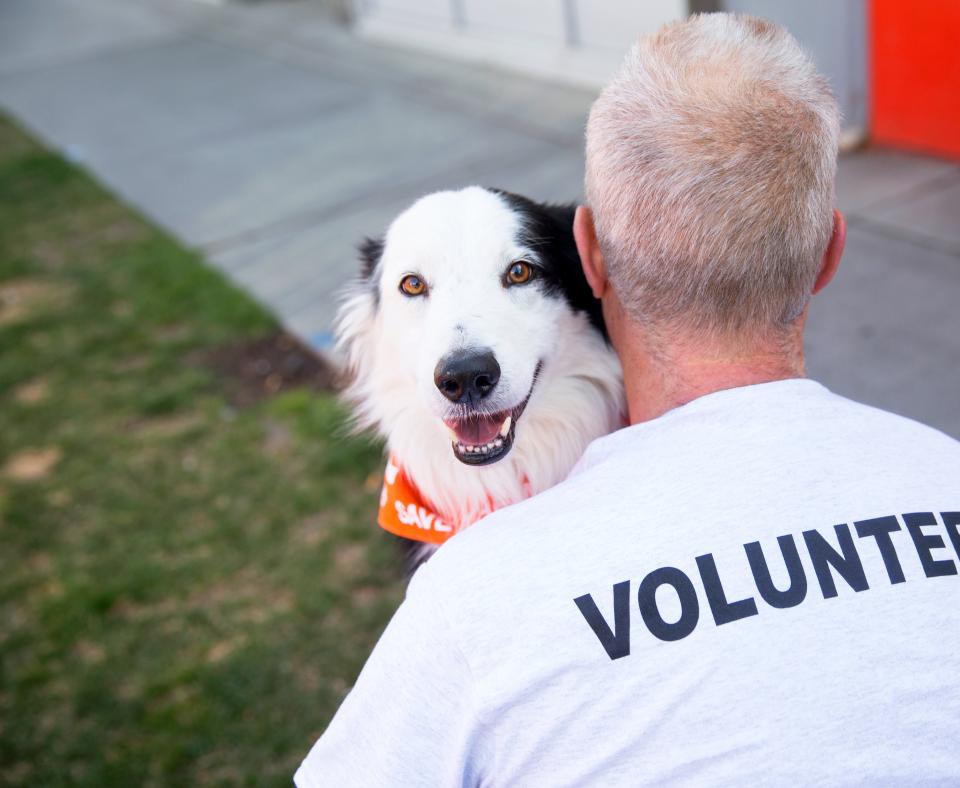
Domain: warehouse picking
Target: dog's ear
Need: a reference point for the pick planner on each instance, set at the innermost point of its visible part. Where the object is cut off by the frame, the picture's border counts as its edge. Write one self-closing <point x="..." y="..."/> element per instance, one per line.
<point x="562" y="214"/>
<point x="355" y="325"/>
<point x="371" y="250"/>
<point x="566" y="269"/>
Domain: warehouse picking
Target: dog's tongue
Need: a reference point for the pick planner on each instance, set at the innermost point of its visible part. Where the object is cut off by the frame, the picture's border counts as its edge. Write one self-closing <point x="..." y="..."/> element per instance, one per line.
<point x="477" y="430"/>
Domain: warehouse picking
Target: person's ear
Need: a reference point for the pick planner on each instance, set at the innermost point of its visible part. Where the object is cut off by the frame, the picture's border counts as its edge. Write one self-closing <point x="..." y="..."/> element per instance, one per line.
<point x="591" y="258"/>
<point x="833" y="253"/>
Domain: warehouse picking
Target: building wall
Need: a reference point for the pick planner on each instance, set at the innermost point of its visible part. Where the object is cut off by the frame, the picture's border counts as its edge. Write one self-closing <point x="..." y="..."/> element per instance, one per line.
<point x="577" y="41"/>
<point x="915" y="72"/>
<point x="583" y="41"/>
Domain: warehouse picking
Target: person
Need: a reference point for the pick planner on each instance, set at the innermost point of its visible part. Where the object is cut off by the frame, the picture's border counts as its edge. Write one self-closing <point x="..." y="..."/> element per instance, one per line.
<point x="753" y="583"/>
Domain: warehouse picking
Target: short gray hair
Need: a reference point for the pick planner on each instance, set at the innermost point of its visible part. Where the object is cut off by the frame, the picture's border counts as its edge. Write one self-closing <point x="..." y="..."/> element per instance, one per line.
<point x="711" y="160"/>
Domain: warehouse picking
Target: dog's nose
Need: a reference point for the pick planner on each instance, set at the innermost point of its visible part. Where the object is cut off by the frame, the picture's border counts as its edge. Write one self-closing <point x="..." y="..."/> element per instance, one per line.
<point x="467" y="376"/>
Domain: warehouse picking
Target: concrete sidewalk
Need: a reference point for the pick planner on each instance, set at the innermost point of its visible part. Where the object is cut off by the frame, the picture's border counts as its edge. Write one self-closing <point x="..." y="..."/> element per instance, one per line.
<point x="273" y="141"/>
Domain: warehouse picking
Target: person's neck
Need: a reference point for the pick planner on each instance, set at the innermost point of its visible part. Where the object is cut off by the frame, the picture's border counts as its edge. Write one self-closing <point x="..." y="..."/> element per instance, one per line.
<point x="661" y="376"/>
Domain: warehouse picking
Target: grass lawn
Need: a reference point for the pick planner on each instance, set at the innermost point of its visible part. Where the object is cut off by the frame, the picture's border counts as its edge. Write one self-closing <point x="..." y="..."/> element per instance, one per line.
<point x="190" y="574"/>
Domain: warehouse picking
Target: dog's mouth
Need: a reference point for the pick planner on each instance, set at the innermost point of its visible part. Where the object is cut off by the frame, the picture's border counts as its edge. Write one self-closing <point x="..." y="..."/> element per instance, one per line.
<point x="485" y="438"/>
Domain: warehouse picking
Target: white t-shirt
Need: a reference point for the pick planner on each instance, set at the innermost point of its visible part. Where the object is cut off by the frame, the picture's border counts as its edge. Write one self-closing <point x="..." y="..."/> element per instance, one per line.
<point x="759" y="587"/>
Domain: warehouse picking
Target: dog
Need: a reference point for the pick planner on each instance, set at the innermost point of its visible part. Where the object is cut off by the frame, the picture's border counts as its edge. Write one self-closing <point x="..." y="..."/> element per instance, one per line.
<point x="474" y="346"/>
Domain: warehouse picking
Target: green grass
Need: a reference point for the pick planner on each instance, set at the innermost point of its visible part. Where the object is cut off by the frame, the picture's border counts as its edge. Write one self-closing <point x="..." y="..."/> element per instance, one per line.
<point x="187" y="589"/>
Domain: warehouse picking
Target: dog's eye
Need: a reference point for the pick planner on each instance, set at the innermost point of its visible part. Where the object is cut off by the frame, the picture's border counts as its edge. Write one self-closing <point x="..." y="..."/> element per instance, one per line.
<point x="413" y="286"/>
<point x="519" y="273"/>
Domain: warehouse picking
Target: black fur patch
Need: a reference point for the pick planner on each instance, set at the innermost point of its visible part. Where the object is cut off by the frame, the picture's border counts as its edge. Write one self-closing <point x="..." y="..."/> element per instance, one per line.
<point x="371" y="250"/>
<point x="548" y="230"/>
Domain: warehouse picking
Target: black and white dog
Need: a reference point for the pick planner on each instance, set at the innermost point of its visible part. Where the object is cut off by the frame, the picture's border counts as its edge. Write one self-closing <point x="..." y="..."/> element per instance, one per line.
<point x="476" y="349"/>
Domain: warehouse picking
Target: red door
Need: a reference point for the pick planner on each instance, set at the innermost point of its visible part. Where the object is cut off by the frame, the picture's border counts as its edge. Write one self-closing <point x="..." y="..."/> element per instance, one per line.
<point x="915" y="74"/>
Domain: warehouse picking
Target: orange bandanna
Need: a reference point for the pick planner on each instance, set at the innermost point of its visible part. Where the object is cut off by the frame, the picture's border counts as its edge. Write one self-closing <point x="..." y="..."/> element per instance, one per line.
<point x="404" y="512"/>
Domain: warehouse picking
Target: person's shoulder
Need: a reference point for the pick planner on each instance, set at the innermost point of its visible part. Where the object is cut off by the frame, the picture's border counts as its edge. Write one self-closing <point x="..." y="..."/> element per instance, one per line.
<point x="891" y="427"/>
<point x="506" y="537"/>
<point x="520" y="520"/>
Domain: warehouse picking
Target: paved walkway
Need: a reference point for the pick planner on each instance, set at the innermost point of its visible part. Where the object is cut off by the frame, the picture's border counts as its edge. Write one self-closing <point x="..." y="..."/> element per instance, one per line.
<point x="273" y="141"/>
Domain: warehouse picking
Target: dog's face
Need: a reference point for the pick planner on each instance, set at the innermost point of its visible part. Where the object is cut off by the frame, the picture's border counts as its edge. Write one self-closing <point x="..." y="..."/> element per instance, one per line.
<point x="466" y="295"/>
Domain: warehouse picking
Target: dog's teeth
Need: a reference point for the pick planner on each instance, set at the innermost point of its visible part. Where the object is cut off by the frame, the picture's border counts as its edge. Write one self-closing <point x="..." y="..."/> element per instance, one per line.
<point x="506" y="426"/>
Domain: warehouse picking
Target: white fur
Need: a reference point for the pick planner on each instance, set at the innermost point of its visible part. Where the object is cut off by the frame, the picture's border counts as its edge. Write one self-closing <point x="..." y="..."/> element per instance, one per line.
<point x="461" y="243"/>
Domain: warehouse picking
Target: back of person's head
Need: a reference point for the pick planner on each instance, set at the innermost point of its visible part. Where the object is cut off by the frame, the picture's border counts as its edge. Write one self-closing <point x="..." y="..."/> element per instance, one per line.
<point x="711" y="159"/>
